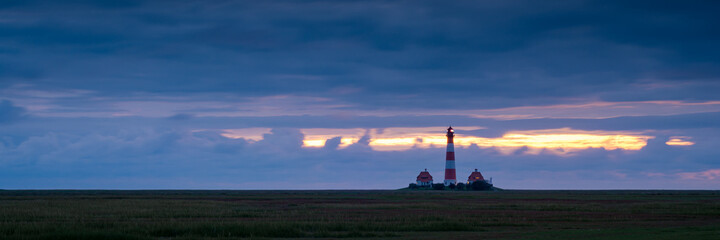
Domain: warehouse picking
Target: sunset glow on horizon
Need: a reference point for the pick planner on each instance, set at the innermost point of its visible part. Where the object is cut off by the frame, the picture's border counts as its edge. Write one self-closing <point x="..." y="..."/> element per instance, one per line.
<point x="140" y="94"/>
<point x="557" y="141"/>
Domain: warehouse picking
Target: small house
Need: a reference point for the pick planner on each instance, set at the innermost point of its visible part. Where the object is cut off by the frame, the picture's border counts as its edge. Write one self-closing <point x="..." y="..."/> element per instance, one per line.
<point x="424" y="179"/>
<point x="475" y="176"/>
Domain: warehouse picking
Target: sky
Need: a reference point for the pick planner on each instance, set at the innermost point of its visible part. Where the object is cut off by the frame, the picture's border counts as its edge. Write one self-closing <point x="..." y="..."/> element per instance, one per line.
<point x="358" y="94"/>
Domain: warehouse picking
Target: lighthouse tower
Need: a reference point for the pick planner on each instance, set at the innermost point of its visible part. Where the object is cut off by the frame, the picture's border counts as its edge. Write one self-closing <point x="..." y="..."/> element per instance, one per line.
<point x="450" y="159"/>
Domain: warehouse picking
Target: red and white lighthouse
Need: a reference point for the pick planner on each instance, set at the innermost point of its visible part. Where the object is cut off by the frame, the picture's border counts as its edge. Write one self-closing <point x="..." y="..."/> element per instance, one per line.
<point x="450" y="159"/>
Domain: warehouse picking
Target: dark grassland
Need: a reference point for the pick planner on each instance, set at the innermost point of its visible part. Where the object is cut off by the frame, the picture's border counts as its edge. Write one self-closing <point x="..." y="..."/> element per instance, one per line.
<point x="401" y="214"/>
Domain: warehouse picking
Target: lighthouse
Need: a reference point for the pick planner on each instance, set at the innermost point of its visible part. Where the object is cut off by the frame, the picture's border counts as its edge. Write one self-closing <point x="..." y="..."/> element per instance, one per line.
<point x="450" y="159"/>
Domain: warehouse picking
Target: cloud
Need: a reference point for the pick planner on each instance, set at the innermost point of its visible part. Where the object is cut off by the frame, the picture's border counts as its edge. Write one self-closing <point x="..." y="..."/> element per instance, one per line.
<point x="116" y="156"/>
<point x="710" y="174"/>
<point x="181" y="116"/>
<point x="679" y="141"/>
<point x="332" y="143"/>
<point x="149" y="96"/>
<point x="282" y="138"/>
<point x="560" y="141"/>
<point x="420" y="55"/>
<point x="9" y="112"/>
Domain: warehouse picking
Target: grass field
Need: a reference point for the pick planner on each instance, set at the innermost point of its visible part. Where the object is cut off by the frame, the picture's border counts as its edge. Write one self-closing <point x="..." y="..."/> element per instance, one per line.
<point x="398" y="214"/>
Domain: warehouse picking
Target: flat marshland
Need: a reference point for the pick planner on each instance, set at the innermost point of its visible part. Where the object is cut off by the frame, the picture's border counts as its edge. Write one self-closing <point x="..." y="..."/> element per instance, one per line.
<point x="401" y="214"/>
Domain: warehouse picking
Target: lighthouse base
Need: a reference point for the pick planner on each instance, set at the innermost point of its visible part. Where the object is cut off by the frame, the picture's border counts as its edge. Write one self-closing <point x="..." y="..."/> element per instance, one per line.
<point x="449" y="181"/>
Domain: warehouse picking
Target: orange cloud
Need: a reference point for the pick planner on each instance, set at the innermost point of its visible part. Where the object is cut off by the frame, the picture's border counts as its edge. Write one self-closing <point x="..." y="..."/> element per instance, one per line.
<point x="560" y="141"/>
<point x="679" y="141"/>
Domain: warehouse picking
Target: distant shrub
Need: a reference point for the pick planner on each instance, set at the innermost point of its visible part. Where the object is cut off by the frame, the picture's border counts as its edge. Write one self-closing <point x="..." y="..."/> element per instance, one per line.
<point x="438" y="186"/>
<point x="413" y="186"/>
<point x="460" y="186"/>
<point x="480" y="186"/>
<point x="451" y="186"/>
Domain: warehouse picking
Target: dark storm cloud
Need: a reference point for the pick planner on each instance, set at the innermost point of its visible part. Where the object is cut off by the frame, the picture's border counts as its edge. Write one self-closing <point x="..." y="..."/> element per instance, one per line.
<point x="156" y="71"/>
<point x="396" y="54"/>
